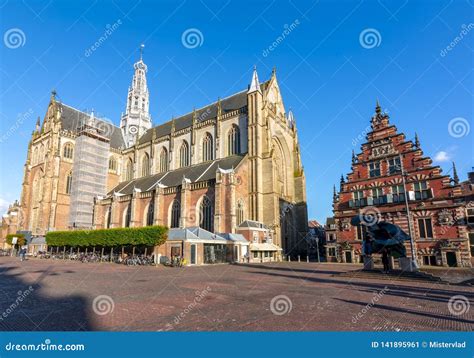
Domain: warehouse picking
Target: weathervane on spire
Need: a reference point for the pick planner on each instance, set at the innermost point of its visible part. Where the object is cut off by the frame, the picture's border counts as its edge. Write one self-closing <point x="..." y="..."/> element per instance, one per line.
<point x="142" y="46"/>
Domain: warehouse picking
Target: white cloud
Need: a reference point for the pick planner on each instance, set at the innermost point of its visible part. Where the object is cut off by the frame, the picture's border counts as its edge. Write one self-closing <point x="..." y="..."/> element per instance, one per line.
<point x="3" y="206"/>
<point x="442" y="156"/>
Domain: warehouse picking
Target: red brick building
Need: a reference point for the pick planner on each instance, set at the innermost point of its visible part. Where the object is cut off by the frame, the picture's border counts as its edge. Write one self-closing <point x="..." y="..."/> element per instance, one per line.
<point x="375" y="185"/>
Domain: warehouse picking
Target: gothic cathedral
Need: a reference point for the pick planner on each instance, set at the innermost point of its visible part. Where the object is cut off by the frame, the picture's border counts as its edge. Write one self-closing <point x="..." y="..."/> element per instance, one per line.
<point x="233" y="161"/>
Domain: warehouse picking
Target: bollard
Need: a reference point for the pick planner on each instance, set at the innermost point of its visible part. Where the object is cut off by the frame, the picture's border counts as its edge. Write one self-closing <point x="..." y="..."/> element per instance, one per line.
<point x="289" y="258"/>
<point x="307" y="259"/>
<point x="299" y="258"/>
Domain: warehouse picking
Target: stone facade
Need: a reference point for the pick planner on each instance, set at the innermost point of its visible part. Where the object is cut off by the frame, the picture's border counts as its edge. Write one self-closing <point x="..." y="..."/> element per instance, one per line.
<point x="235" y="159"/>
<point x="375" y="187"/>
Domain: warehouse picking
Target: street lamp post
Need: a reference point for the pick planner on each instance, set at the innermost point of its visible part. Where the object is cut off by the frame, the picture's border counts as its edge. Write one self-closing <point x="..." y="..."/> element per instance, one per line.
<point x="414" y="264"/>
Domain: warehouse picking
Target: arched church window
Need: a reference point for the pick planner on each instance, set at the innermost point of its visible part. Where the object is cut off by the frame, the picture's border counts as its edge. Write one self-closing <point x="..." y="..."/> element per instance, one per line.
<point x="184" y="154"/>
<point x="128" y="215"/>
<point x="145" y="165"/>
<point x="175" y="213"/>
<point x="129" y="170"/>
<point x="233" y="141"/>
<point x="240" y="212"/>
<point x="163" y="160"/>
<point x="207" y="148"/>
<point x="109" y="217"/>
<point x="113" y="164"/>
<point x="150" y="213"/>
<point x="68" y="151"/>
<point x="69" y="183"/>
<point x="205" y="214"/>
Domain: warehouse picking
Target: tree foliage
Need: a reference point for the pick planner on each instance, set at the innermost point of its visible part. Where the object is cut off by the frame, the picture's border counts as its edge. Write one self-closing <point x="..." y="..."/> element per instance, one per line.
<point x="148" y="236"/>
<point x="21" y="239"/>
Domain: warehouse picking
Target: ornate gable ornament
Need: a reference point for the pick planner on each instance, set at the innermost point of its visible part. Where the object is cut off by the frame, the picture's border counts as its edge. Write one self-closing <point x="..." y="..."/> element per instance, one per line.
<point x="446" y="217"/>
<point x="381" y="151"/>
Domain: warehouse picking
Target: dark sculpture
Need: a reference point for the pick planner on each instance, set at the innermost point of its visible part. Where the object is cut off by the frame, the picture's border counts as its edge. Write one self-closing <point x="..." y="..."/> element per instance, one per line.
<point x="381" y="235"/>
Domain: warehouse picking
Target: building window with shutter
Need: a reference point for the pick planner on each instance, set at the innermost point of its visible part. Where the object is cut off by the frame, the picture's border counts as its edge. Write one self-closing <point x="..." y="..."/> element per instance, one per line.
<point x="359" y="199"/>
<point x="378" y="197"/>
<point x="374" y="169"/>
<point x="421" y="190"/>
<point x="361" y="232"/>
<point x="425" y="228"/>
<point x="394" y="165"/>
<point x="398" y="193"/>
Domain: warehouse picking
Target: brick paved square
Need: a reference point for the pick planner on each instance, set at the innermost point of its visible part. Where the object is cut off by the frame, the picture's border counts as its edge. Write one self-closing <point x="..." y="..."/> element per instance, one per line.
<point x="74" y="296"/>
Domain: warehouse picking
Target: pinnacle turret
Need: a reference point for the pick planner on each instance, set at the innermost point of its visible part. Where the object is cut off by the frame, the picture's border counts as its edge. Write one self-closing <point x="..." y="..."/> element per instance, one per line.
<point x="137" y="120"/>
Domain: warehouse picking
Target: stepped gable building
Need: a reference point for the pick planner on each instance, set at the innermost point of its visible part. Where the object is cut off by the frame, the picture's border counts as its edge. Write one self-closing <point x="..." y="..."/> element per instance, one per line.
<point x="233" y="160"/>
<point x="375" y="186"/>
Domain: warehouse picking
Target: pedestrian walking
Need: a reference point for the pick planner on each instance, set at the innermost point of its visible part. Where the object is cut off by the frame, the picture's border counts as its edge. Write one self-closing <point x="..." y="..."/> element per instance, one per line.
<point x="22" y="254"/>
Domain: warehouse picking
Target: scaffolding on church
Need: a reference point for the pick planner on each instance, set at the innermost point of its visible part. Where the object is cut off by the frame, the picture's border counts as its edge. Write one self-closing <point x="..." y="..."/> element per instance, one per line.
<point x="89" y="173"/>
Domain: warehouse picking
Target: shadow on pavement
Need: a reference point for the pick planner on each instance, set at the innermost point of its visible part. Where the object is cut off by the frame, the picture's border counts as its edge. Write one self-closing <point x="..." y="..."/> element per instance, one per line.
<point x="409" y="311"/>
<point x="24" y="308"/>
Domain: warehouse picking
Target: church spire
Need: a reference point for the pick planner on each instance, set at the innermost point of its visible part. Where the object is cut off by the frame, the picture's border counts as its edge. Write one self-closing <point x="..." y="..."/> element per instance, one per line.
<point x="417" y="141"/>
<point x="342" y="183"/>
<point x="455" y="175"/>
<point x="137" y="120"/>
<point x="377" y="107"/>
<point x="255" y="84"/>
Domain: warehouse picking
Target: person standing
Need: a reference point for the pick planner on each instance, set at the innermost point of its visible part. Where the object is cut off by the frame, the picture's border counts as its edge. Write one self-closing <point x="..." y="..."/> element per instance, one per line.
<point x="22" y="254"/>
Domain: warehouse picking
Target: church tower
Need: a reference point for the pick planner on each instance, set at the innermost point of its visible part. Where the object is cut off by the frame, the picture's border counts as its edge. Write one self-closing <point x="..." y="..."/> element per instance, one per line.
<point x="136" y="120"/>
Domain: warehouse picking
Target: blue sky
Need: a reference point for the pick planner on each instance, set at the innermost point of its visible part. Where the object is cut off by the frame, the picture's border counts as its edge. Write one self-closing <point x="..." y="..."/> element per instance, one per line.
<point x="330" y="74"/>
